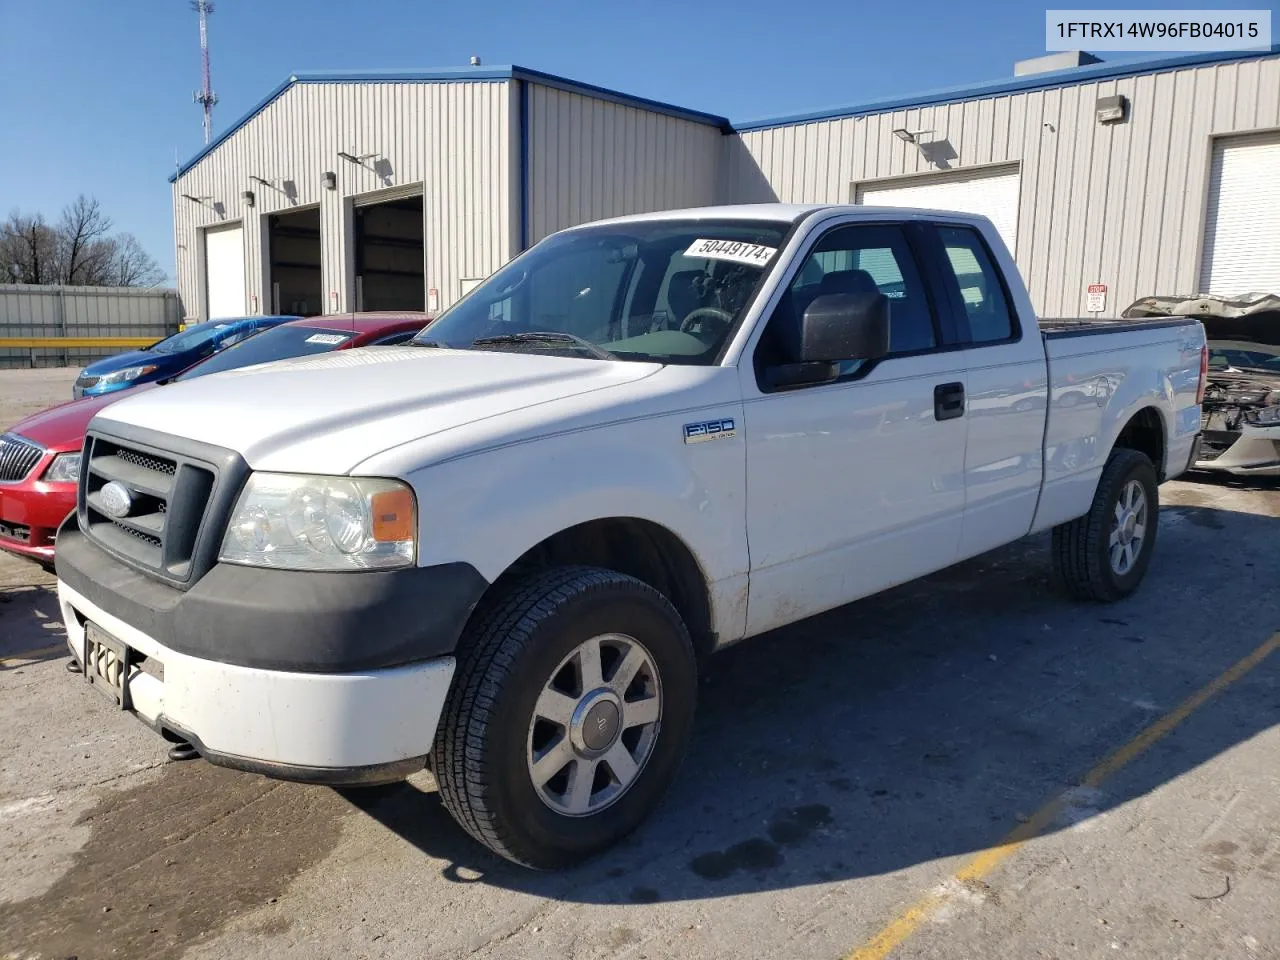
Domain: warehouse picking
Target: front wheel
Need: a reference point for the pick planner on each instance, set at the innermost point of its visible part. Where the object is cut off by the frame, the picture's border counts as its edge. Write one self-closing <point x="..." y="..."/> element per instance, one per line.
<point x="568" y="716"/>
<point x="1105" y="554"/>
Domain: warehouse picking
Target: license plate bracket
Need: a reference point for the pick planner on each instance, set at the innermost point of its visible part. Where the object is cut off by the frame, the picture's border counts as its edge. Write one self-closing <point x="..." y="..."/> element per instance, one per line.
<point x="107" y="664"/>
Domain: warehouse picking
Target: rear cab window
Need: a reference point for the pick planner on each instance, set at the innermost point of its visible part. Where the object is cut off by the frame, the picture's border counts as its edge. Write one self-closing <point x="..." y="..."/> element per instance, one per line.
<point x="978" y="285"/>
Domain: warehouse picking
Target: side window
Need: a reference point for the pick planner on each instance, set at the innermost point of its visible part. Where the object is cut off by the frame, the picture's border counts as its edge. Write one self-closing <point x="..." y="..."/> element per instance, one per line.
<point x="981" y="292"/>
<point x="866" y="259"/>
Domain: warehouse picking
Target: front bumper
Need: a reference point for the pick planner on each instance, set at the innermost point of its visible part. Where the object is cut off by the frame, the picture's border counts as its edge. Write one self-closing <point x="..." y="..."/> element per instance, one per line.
<point x="31" y="512"/>
<point x="325" y="678"/>
<point x="367" y="727"/>
<point x="1254" y="452"/>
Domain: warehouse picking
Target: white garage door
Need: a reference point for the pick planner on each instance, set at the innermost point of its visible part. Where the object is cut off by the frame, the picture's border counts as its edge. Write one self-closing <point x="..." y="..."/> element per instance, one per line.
<point x="224" y="271"/>
<point x="994" y="196"/>
<point x="1242" y="231"/>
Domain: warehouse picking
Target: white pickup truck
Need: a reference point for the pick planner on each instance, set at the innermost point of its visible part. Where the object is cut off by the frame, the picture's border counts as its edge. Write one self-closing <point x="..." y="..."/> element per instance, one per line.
<point x="505" y="549"/>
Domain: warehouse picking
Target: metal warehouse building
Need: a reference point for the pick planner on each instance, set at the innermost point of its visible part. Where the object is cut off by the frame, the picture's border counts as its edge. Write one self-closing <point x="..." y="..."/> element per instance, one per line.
<point x="400" y="191"/>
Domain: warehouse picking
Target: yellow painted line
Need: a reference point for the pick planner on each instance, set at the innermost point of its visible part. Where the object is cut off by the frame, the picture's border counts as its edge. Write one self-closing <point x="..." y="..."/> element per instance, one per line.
<point x="59" y="343"/>
<point x="33" y="654"/>
<point x="985" y="862"/>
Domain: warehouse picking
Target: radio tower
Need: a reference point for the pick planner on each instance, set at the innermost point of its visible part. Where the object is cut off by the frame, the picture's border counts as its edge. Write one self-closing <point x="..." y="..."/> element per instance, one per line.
<point x="205" y="96"/>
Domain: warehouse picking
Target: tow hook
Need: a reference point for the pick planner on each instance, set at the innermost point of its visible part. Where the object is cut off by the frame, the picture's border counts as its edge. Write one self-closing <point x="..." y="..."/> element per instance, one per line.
<point x="183" y="751"/>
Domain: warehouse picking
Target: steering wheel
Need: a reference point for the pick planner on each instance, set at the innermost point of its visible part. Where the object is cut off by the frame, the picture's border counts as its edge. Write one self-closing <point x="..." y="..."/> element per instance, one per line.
<point x="714" y="313"/>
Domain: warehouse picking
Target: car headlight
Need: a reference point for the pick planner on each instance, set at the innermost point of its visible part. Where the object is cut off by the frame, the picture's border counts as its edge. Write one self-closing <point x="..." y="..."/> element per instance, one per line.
<point x="1264" y="417"/>
<point x="64" y="469"/>
<point x="295" y="522"/>
<point x="128" y="373"/>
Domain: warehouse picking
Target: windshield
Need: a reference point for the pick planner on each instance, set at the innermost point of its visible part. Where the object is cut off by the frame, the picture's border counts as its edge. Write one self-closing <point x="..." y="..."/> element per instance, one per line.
<point x="1226" y="355"/>
<point x="191" y="339"/>
<point x="278" y="343"/>
<point x="669" y="291"/>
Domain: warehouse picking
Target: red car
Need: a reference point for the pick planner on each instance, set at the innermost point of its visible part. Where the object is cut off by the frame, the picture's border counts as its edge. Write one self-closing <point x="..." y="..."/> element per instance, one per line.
<point x="40" y="456"/>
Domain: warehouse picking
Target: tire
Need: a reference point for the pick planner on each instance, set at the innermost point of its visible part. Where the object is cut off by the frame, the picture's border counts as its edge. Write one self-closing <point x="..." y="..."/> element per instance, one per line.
<point x="528" y="643"/>
<point x="1083" y="552"/>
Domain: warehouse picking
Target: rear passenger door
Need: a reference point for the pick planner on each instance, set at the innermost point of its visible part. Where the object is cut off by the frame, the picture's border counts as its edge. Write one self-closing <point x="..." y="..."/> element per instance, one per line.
<point x="854" y="484"/>
<point x="1007" y="390"/>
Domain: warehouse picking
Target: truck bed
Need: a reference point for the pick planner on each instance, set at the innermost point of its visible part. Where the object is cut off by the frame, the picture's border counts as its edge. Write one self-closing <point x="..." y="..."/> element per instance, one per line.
<point x="1056" y="328"/>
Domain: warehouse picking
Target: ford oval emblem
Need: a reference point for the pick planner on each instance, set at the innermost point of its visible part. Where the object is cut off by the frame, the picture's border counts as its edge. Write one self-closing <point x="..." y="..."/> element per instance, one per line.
<point x="115" y="499"/>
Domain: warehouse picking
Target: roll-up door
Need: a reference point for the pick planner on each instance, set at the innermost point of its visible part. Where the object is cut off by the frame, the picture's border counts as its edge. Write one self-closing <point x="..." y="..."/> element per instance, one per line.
<point x="994" y="195"/>
<point x="1242" y="228"/>
<point x="224" y="271"/>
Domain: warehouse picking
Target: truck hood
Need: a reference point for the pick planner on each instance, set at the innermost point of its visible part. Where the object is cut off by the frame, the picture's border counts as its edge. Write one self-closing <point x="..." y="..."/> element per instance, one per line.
<point x="61" y="429"/>
<point x="327" y="413"/>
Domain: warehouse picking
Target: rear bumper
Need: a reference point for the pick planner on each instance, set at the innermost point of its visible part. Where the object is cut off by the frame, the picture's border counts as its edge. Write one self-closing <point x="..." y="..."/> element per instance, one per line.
<point x="31" y="512"/>
<point x="351" y="728"/>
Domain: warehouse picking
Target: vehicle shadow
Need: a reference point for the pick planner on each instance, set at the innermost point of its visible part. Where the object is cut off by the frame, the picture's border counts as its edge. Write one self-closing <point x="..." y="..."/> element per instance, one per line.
<point x="30" y="626"/>
<point x="926" y="722"/>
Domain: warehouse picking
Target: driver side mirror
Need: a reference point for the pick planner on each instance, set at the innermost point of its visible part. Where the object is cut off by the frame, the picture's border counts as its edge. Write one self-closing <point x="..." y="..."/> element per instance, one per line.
<point x="844" y="326"/>
<point x="834" y="328"/>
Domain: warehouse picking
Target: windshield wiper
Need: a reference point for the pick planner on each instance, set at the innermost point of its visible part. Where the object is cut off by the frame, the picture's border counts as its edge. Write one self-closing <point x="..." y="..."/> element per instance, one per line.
<point x="548" y="336"/>
<point x="426" y="343"/>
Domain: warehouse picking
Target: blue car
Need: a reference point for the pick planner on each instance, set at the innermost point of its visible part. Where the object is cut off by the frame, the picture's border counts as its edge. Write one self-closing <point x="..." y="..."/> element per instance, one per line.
<point x="169" y="357"/>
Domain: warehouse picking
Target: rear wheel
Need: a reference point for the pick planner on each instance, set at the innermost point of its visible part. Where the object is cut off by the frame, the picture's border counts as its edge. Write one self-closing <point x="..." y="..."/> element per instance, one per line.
<point x="1105" y="554"/>
<point x="568" y="715"/>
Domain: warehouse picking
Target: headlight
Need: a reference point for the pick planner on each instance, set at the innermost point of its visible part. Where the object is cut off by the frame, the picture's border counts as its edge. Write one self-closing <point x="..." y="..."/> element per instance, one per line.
<point x="1265" y="417"/>
<point x="129" y="373"/>
<point x="294" y="522"/>
<point x="64" y="469"/>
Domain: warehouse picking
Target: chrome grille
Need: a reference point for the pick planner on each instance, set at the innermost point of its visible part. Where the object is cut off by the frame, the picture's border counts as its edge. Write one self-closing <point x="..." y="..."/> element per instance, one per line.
<point x="85" y="382"/>
<point x="18" y="457"/>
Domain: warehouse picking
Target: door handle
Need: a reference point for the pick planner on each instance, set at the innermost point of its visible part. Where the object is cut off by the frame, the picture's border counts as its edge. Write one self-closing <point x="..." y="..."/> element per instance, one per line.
<point x="948" y="401"/>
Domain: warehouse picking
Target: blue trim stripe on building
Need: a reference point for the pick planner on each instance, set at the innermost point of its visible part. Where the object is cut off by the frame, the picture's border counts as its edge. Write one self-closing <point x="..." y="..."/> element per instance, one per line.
<point x="1038" y="81"/>
<point x="995" y="88"/>
<point x="524" y="165"/>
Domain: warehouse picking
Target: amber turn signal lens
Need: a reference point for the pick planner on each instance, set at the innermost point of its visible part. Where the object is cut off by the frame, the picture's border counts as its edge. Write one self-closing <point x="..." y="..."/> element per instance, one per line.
<point x="393" y="516"/>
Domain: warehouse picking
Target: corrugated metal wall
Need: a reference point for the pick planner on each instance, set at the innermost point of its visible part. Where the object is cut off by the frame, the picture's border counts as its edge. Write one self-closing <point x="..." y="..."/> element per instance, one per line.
<point x="453" y="138"/>
<point x="35" y="311"/>
<point x="1120" y="204"/>
<point x="591" y="158"/>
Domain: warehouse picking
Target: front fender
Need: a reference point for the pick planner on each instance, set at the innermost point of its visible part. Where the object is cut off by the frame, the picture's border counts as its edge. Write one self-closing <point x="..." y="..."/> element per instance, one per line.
<point x="489" y="508"/>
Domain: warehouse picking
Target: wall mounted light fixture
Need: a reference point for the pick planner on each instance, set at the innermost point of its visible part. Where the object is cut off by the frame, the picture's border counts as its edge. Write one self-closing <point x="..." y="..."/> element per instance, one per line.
<point x="248" y="198"/>
<point x="909" y="136"/>
<point x="199" y="200"/>
<point x="330" y="180"/>
<point x="1112" y="109"/>
<point x="358" y="160"/>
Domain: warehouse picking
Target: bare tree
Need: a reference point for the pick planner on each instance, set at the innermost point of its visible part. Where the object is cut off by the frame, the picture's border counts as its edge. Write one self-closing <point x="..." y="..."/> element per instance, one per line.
<point x="131" y="266"/>
<point x="79" y="250"/>
<point x="81" y="232"/>
<point x="28" y="250"/>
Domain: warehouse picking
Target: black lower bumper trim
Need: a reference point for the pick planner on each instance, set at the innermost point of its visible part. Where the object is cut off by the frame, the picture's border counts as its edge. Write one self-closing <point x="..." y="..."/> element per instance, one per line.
<point x="371" y="775"/>
<point x="283" y="619"/>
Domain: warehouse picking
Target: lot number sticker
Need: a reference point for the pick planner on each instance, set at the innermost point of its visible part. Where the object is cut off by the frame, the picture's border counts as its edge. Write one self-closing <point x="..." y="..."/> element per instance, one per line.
<point x="752" y="254"/>
<point x="327" y="338"/>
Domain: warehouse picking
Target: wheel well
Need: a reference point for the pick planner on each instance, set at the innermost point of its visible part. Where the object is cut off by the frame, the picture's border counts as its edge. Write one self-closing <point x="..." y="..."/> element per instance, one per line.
<point x="1145" y="433"/>
<point x="639" y="548"/>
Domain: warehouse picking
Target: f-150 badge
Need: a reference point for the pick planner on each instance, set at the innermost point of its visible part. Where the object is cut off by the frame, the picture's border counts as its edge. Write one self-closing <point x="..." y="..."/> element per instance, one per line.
<point x="709" y="430"/>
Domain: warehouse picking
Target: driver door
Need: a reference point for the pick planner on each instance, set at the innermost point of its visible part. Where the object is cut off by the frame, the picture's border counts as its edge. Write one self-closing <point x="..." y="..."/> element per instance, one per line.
<point x="855" y="484"/>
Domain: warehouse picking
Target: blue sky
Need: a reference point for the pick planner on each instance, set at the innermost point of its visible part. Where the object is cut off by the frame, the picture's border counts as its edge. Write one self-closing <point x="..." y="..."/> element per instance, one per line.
<point x="95" y="96"/>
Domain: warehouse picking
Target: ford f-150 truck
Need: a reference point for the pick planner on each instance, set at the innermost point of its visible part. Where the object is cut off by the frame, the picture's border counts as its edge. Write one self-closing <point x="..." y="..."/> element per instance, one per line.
<point x="505" y="549"/>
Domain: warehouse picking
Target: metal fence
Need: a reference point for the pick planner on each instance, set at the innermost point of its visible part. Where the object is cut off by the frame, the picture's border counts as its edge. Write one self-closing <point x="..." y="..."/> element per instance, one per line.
<point x="72" y="326"/>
